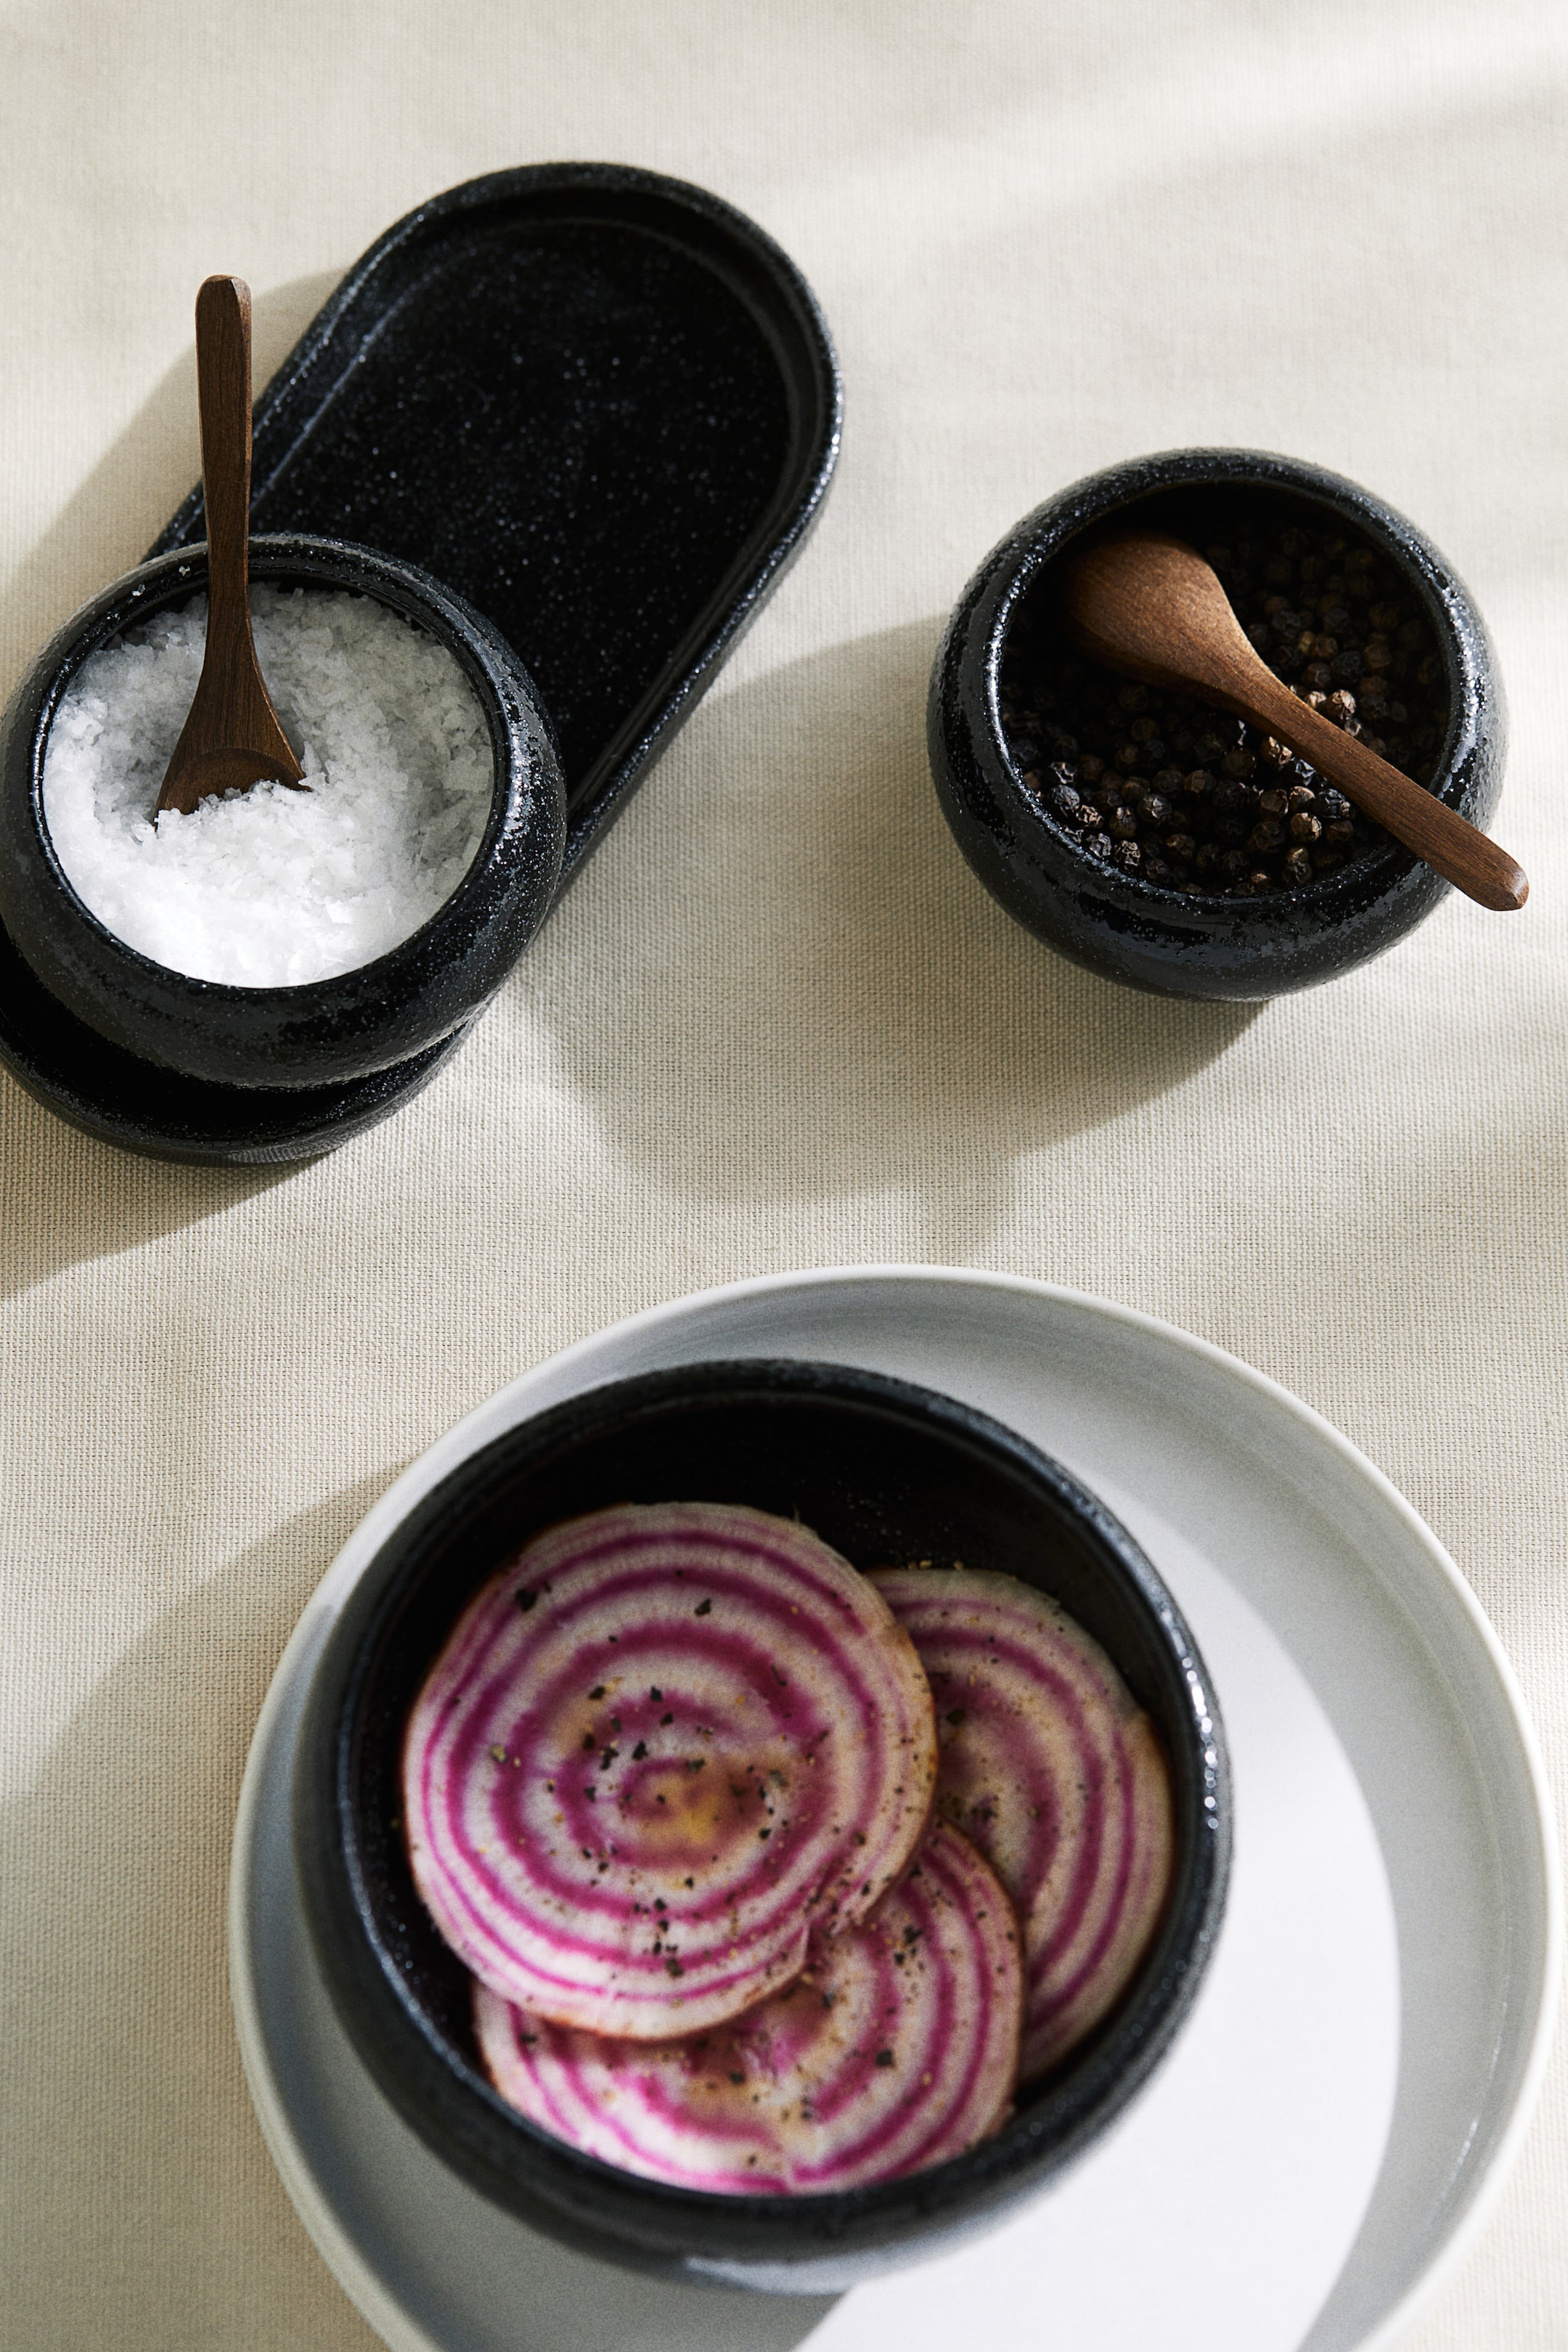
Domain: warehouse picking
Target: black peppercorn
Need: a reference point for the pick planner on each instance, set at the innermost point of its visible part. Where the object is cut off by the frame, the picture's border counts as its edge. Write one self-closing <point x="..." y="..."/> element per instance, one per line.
<point x="1191" y="798"/>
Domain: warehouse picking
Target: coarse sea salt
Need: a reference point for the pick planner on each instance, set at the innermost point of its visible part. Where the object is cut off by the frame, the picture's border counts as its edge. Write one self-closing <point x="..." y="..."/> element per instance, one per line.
<point x="273" y="887"/>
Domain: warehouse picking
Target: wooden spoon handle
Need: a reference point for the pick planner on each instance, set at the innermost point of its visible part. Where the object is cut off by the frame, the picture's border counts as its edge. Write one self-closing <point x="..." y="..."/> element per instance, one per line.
<point x="1438" y="834"/>
<point x="222" y="385"/>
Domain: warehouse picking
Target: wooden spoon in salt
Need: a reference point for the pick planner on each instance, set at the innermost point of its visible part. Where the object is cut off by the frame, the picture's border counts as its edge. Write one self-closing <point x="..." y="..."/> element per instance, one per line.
<point x="1150" y="607"/>
<point x="231" y="738"/>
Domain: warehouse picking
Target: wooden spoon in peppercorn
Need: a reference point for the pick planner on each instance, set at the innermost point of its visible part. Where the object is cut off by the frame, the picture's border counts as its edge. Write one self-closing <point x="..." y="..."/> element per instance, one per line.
<point x="231" y="738"/>
<point x="1149" y="605"/>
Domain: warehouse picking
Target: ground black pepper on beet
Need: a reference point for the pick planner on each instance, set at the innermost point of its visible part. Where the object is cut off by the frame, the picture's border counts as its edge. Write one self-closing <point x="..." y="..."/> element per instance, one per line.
<point x="1190" y="799"/>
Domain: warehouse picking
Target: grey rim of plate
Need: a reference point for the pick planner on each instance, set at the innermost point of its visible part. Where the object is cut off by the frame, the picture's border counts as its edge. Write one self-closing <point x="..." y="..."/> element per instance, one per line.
<point x="1449" y="2142"/>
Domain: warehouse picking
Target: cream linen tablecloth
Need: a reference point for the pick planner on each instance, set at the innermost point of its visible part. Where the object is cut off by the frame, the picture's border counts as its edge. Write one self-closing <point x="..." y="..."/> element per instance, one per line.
<point x="778" y="1024"/>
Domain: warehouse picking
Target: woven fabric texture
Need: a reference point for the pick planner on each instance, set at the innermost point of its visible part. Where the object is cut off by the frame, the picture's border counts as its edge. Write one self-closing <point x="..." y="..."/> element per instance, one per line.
<point x="778" y="1024"/>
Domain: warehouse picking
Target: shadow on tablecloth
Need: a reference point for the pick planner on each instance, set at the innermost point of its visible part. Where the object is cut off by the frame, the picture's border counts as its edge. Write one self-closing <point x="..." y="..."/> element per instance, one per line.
<point x="783" y="982"/>
<point x="139" y="2205"/>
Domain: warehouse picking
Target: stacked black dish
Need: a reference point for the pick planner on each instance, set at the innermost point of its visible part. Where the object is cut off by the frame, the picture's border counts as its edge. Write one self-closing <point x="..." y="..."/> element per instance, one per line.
<point x="575" y="420"/>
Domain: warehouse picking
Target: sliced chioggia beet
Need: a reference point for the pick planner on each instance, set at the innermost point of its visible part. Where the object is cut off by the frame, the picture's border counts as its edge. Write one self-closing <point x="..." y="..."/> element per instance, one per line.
<point x="1050" y="1766"/>
<point x="897" y="2048"/>
<point x="658" y="1751"/>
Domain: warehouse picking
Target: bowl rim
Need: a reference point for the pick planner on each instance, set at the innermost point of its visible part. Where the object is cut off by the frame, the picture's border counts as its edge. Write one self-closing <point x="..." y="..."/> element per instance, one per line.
<point x="1037" y="542"/>
<point x="275" y="558"/>
<point x="1073" y="2106"/>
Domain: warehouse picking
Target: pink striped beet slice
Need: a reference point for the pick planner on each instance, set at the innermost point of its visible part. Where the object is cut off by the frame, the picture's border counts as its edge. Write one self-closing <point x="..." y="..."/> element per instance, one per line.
<point x="897" y="2048"/>
<point x="1052" y="1769"/>
<point x="658" y="1751"/>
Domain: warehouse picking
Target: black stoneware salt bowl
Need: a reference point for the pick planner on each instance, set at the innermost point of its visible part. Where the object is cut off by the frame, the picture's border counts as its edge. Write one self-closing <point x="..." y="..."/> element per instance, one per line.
<point x="1118" y="924"/>
<point x="107" y="1004"/>
<point x="885" y="1473"/>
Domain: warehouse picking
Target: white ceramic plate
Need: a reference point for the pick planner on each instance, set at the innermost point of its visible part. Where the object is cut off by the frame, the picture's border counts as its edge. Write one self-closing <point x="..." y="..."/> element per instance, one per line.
<point x="1353" y="2079"/>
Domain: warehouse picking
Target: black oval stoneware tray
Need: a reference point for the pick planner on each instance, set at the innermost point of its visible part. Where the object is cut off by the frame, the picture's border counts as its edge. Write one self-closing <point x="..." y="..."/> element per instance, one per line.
<point x="601" y="405"/>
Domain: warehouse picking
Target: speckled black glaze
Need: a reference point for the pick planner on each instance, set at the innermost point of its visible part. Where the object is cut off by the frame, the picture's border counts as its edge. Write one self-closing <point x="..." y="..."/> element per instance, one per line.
<point x="1131" y="929"/>
<point x="885" y="1471"/>
<point x="601" y="405"/>
<point x="121" y="1099"/>
<point x="329" y="1032"/>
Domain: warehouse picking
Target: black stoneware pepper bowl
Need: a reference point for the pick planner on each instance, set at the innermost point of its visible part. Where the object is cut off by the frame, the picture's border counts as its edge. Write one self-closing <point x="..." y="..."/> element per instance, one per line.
<point x="327" y="1031"/>
<point x="885" y="1471"/>
<point x="1131" y="929"/>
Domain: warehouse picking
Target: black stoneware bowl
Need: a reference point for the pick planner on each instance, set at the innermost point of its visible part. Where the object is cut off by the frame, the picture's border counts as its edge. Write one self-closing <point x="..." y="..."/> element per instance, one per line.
<point x="327" y="1032"/>
<point x="885" y="1473"/>
<point x="1135" y="930"/>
